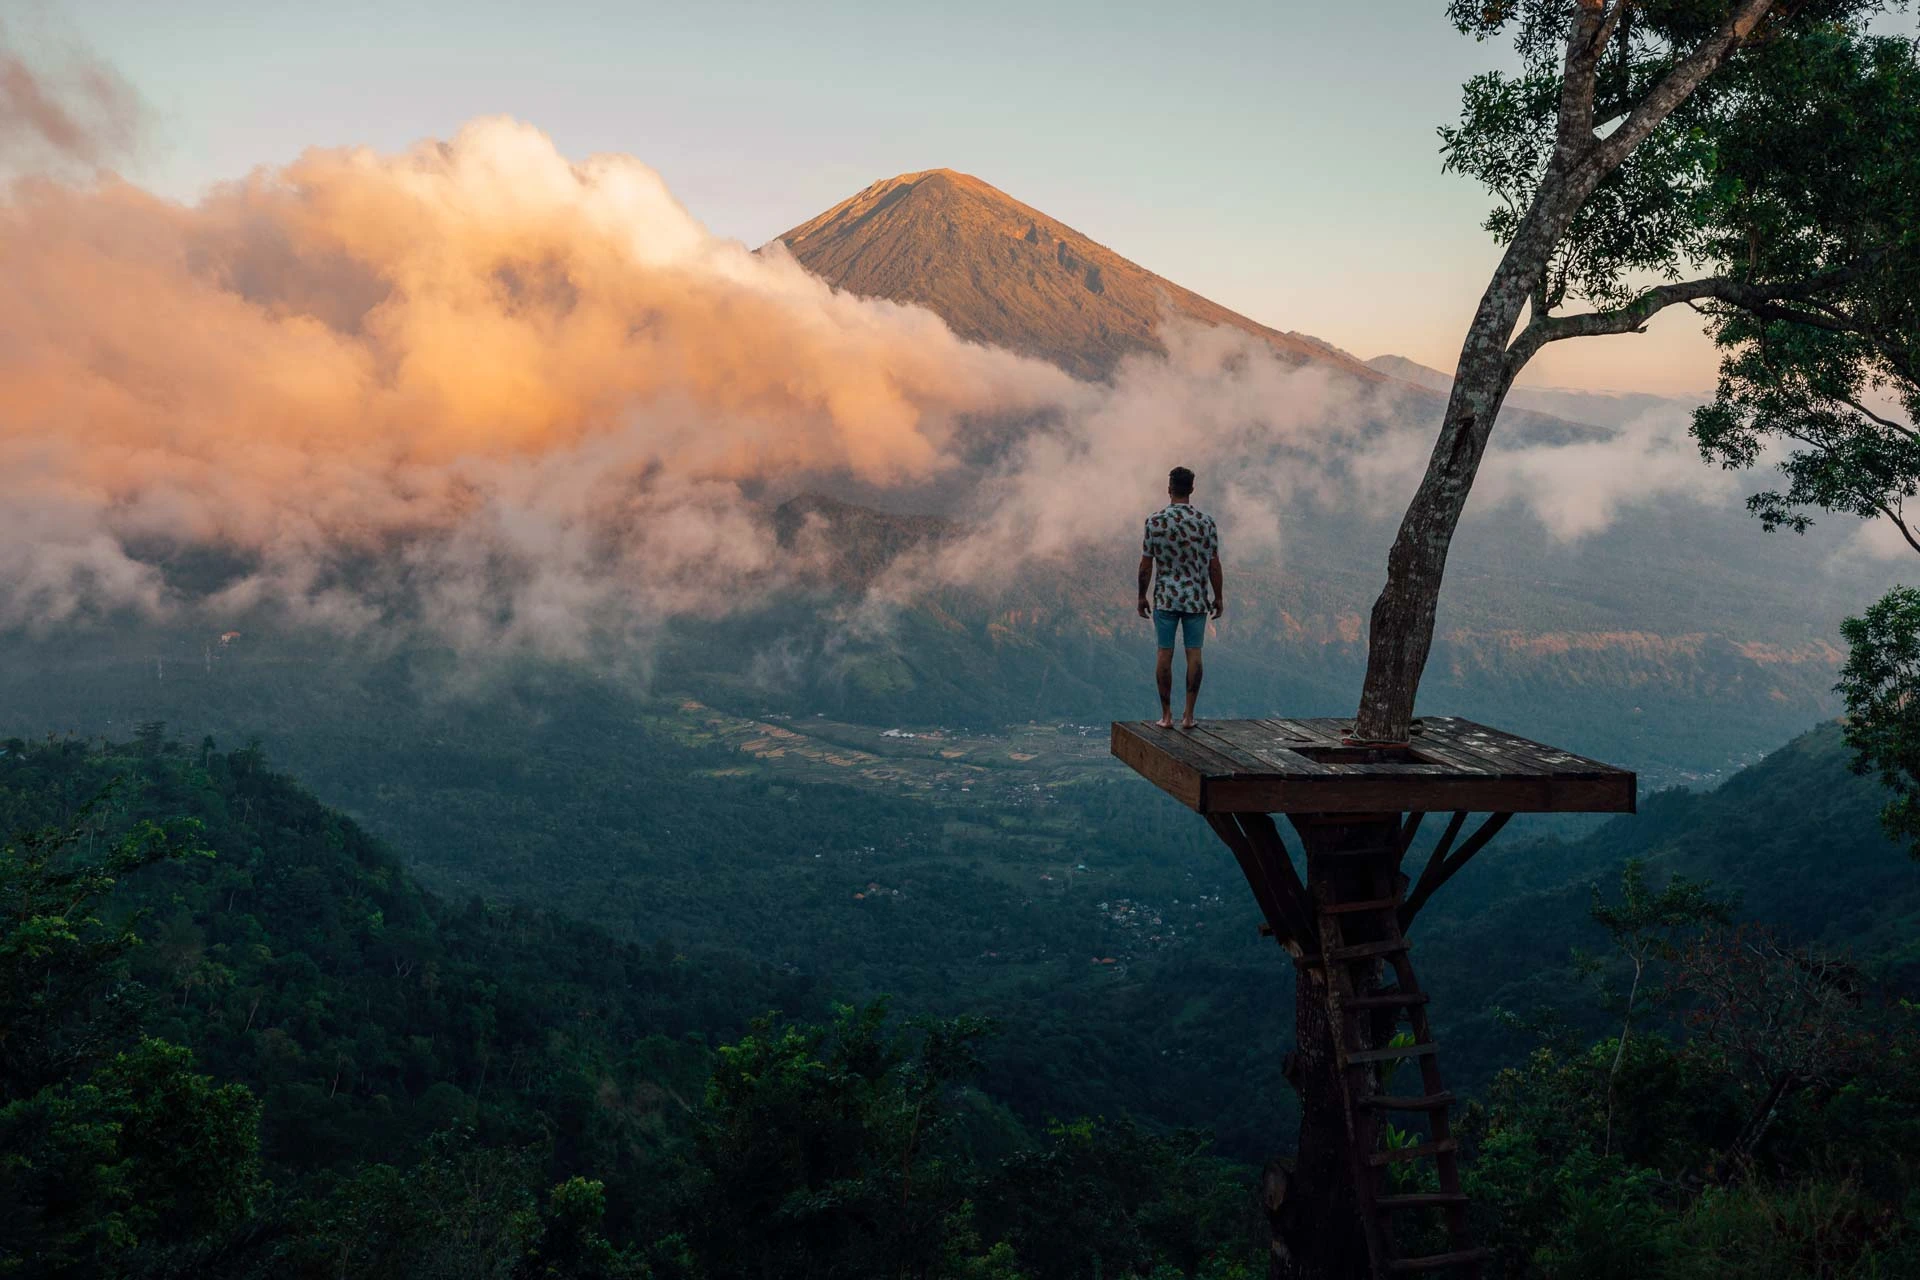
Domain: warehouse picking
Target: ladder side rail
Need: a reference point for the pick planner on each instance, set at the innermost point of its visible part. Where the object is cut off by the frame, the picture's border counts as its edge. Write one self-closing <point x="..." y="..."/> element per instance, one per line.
<point x="1447" y="1160"/>
<point x="1356" y="1079"/>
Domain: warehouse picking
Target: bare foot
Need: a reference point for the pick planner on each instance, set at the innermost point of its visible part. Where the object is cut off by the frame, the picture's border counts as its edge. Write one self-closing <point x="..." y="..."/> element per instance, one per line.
<point x="1189" y="723"/>
<point x="1165" y="721"/>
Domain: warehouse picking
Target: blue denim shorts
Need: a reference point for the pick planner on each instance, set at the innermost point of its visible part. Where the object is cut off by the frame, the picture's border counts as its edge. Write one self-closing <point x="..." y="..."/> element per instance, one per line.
<point x="1192" y="626"/>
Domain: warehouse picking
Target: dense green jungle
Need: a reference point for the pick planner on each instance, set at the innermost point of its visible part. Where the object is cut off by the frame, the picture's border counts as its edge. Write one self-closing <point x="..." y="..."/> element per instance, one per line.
<point x="841" y="1003"/>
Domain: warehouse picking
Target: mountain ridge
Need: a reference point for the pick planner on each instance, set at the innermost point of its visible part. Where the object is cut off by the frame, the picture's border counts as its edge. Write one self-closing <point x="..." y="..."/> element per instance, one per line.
<point x="1003" y="267"/>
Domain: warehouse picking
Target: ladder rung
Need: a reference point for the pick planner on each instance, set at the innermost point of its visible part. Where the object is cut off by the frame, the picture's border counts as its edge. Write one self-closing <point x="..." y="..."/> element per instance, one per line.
<point x="1367" y="950"/>
<point x="1349" y="908"/>
<point x="1385" y="1000"/>
<point x="1420" y="1200"/>
<point x="1434" y="1261"/>
<point x="1371" y="851"/>
<point x="1393" y="1052"/>
<point x="1397" y="1155"/>
<point x="1387" y="1102"/>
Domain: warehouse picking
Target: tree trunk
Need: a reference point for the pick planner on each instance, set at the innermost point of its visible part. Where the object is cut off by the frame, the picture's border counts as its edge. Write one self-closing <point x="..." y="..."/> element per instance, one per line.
<point x="1401" y="627"/>
<point x="1316" y="1216"/>
<point x="1319" y="1232"/>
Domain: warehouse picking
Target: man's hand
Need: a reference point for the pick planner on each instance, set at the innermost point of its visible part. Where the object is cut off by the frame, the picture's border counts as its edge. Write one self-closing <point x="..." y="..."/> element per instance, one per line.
<point x="1146" y="610"/>
<point x="1219" y="607"/>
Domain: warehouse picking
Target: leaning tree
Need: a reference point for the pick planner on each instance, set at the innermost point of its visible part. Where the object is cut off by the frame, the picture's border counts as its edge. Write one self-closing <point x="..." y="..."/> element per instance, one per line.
<point x="1753" y="159"/>
<point x="1750" y="159"/>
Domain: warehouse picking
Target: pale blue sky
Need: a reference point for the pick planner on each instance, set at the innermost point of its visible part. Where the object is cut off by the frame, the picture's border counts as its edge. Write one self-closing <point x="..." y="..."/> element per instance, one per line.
<point x="1277" y="157"/>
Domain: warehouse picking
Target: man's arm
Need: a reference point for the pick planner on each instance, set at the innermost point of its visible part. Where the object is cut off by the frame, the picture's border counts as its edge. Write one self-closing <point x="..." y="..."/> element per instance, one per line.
<point x="1219" y="588"/>
<point x="1146" y="577"/>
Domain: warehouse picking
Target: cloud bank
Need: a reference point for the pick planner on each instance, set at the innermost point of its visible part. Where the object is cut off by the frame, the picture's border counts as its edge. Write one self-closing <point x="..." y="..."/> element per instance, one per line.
<point x="475" y="361"/>
<point x="530" y="402"/>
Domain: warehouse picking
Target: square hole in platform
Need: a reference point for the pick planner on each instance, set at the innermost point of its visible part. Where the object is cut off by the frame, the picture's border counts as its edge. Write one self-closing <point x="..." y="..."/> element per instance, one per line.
<point x="1363" y="755"/>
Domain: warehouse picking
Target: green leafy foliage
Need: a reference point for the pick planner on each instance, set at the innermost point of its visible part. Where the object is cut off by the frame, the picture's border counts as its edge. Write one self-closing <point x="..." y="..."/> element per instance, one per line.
<point x="103" y="1154"/>
<point x="414" y="1089"/>
<point x="1744" y="1147"/>
<point x="1880" y="681"/>
<point x="1829" y="381"/>
<point x="435" y="1089"/>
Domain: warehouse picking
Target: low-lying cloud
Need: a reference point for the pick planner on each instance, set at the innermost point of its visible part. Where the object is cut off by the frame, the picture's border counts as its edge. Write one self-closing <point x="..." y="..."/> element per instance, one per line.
<point x="471" y="359"/>
<point x="526" y="401"/>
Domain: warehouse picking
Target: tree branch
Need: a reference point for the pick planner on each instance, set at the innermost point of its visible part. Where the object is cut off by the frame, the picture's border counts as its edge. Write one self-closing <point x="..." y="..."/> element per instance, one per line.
<point x="1676" y="86"/>
<point x="1833" y="320"/>
<point x="1887" y="510"/>
<point x="1631" y="318"/>
<point x="1899" y="429"/>
<point x="1579" y="74"/>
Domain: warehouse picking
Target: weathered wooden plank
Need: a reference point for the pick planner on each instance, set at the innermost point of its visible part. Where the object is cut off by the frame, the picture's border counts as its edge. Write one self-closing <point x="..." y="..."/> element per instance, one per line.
<point x="1245" y="766"/>
<point x="1418" y="1200"/>
<point x="1435" y="1261"/>
<point x="1300" y="729"/>
<point x="1245" y="763"/>
<point x="1525" y="755"/>
<point x="1425" y="1102"/>
<point x="1191" y="750"/>
<point x="1460" y="760"/>
<point x="1391" y="1055"/>
<point x="1376" y="795"/>
<point x="1180" y="780"/>
<point x="1351" y="908"/>
<point x="1253" y="741"/>
<point x="1617" y="794"/>
<point x="1387" y="1000"/>
<point x="1540" y="754"/>
<point x="1463" y="738"/>
<point x="1367" y="950"/>
<point x="1328" y="731"/>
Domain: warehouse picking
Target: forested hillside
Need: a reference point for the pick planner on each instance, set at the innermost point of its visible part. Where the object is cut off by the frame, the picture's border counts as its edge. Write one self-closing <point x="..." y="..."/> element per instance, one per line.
<point x="242" y="1041"/>
<point x="204" y="969"/>
<point x="1793" y="842"/>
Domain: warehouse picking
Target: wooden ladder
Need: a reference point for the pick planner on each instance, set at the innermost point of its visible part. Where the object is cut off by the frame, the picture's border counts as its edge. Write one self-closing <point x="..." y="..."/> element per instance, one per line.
<point x="1356" y="936"/>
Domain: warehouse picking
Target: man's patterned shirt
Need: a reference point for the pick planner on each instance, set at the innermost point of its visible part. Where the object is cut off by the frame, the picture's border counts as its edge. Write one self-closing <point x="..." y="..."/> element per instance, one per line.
<point x="1182" y="541"/>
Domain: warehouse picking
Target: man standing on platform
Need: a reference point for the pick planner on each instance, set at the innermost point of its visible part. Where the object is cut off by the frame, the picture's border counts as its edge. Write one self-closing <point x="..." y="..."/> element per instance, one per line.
<point x="1180" y="555"/>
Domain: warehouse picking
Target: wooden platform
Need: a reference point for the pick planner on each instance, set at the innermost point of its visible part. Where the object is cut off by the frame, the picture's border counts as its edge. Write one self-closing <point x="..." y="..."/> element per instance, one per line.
<point x="1300" y="766"/>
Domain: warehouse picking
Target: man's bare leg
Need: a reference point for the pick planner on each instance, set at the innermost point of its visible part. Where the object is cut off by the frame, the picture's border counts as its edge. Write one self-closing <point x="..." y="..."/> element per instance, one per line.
<point x="1163" y="680"/>
<point x="1194" y="671"/>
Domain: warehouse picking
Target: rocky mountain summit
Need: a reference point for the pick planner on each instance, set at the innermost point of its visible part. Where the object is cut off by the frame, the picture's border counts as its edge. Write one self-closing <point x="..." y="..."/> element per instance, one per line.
<point x="1003" y="273"/>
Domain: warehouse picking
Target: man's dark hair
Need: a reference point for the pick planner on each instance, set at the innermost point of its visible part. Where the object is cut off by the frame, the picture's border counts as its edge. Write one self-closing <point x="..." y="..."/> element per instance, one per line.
<point x="1180" y="482"/>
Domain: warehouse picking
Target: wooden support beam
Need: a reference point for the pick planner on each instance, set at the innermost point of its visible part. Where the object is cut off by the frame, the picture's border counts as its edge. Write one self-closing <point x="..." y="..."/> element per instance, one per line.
<point x="1441" y="869"/>
<point x="1287" y="918"/>
<point x="1271" y="850"/>
<point x="1410" y="829"/>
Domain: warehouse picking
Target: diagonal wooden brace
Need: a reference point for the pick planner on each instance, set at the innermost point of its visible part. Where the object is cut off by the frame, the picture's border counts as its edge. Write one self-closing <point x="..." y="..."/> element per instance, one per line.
<point x="1263" y="859"/>
<point x="1445" y="861"/>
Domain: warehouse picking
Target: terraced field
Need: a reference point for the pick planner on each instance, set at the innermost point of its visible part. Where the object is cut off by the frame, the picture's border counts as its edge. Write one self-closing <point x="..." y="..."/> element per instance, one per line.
<point x="1033" y="761"/>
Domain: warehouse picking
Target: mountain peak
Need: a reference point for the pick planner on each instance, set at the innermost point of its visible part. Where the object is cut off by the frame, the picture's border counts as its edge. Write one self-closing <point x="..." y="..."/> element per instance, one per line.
<point x="1003" y="273"/>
